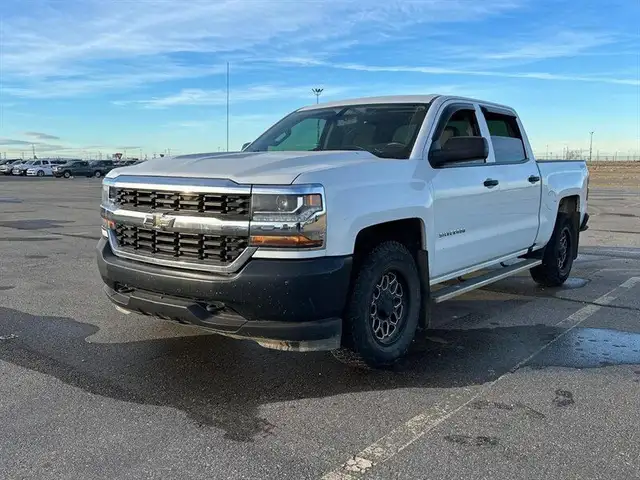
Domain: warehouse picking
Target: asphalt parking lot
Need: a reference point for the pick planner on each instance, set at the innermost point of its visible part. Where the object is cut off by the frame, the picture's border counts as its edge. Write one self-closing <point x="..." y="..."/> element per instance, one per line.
<point x="514" y="381"/>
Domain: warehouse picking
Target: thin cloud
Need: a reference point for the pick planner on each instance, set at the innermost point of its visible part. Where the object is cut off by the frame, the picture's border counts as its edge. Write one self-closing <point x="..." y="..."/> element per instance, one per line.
<point x="217" y="97"/>
<point x="563" y="44"/>
<point x="80" y="51"/>
<point x="41" y="136"/>
<point x="12" y="141"/>
<point x="479" y="73"/>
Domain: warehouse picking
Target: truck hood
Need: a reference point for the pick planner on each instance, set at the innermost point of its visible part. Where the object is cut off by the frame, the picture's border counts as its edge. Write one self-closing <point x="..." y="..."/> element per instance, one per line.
<point x="273" y="168"/>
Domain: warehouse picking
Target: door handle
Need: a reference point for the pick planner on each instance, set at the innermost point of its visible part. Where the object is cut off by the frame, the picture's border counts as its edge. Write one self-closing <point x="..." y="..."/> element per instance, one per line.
<point x="534" y="179"/>
<point x="490" y="183"/>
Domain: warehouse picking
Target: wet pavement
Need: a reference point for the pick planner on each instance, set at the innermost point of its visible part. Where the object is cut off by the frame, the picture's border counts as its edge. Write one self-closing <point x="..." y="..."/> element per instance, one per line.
<point x="514" y="381"/>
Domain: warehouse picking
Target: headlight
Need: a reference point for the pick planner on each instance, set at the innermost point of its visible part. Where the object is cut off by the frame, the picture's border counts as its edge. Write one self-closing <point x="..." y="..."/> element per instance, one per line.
<point x="290" y="217"/>
<point x="108" y="194"/>
<point x="108" y="198"/>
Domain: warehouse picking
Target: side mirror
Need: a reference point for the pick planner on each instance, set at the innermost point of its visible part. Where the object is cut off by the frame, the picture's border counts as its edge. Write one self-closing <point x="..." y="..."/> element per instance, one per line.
<point x="460" y="149"/>
<point x="245" y="146"/>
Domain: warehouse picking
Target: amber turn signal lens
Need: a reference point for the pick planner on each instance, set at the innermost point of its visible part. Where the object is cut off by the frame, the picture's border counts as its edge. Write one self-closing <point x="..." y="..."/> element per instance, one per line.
<point x="313" y="200"/>
<point x="284" y="241"/>
<point x="108" y="224"/>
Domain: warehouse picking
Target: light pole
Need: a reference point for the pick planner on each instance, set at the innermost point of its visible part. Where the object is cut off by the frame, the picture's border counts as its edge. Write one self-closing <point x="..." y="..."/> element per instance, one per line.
<point x="591" y="145"/>
<point x="227" y="107"/>
<point x="317" y="92"/>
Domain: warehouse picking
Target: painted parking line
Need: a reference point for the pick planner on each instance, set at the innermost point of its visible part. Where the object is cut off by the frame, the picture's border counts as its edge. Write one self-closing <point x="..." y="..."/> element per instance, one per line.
<point x="417" y="427"/>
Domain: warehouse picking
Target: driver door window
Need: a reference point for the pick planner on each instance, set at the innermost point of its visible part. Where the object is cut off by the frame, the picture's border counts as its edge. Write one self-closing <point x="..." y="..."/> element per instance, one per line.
<point x="304" y="135"/>
<point x="463" y="123"/>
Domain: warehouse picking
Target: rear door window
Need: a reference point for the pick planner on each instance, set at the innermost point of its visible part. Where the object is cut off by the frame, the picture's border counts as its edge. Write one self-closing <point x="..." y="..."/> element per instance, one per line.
<point x="506" y="138"/>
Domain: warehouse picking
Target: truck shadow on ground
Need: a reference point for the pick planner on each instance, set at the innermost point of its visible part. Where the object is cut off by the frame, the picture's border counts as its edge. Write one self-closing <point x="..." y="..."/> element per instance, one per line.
<point x="222" y="382"/>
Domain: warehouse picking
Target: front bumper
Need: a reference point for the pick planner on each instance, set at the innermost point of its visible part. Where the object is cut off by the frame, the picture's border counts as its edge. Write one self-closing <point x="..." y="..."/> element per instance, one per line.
<point x="283" y="304"/>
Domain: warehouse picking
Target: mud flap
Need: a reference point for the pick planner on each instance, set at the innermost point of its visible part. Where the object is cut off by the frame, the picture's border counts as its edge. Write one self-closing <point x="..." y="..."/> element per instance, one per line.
<point x="575" y="219"/>
<point x="422" y="258"/>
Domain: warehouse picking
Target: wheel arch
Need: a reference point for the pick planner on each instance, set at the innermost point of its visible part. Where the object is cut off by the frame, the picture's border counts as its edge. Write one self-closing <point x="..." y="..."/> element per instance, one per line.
<point x="409" y="231"/>
<point x="569" y="204"/>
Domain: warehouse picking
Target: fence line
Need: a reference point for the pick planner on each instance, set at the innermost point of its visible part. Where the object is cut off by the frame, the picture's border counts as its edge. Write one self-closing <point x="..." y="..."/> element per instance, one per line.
<point x="582" y="155"/>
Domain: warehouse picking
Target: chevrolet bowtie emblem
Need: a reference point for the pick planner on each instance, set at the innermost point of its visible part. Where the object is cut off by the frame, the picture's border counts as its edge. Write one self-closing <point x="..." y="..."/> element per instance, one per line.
<point x="159" y="221"/>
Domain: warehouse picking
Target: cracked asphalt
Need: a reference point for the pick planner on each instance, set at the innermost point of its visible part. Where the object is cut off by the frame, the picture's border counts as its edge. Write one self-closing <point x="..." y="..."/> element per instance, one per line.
<point x="514" y="381"/>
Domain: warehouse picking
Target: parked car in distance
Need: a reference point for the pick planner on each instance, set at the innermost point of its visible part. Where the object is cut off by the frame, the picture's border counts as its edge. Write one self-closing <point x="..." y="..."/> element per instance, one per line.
<point x="45" y="168"/>
<point x="83" y="168"/>
<point x="6" y="166"/>
<point x="341" y="225"/>
<point x="99" y="168"/>
<point x="20" y="168"/>
<point x="71" y="168"/>
<point x="125" y="163"/>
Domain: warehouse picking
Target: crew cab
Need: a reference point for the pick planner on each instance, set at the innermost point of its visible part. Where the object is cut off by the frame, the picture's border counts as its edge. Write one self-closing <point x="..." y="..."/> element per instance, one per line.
<point x="70" y="168"/>
<point x="83" y="168"/>
<point x="341" y="225"/>
<point x="41" y="168"/>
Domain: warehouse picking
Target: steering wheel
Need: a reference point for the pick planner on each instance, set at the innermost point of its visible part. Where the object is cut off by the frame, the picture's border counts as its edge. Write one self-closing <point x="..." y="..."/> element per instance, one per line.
<point x="392" y="146"/>
<point x="353" y="147"/>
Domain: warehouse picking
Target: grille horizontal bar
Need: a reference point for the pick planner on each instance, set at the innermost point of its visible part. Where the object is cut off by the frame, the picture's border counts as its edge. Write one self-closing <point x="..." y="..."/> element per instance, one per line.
<point x="199" y="248"/>
<point x="223" y="205"/>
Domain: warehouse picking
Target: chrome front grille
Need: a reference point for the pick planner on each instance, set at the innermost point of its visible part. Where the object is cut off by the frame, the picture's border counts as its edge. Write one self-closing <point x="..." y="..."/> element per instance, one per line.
<point x="183" y="223"/>
<point x="222" y="205"/>
<point x="204" y="249"/>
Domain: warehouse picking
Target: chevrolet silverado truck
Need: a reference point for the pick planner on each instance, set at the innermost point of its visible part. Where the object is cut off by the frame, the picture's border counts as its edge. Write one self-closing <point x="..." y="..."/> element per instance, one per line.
<point x="341" y="225"/>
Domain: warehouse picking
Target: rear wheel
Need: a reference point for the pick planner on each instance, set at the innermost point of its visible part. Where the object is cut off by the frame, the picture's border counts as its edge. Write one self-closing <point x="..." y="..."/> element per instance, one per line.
<point x="97" y="174"/>
<point x="383" y="310"/>
<point x="558" y="255"/>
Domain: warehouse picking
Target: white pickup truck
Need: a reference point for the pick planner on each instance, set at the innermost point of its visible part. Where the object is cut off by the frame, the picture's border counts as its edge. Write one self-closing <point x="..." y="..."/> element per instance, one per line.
<point x="339" y="226"/>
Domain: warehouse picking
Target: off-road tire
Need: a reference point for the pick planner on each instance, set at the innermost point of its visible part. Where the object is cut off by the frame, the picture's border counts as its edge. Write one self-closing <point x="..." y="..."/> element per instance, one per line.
<point x="360" y="345"/>
<point x="550" y="273"/>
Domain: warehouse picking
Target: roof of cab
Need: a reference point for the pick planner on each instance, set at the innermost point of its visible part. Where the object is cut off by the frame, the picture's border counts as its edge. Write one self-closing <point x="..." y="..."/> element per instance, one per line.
<point x="397" y="99"/>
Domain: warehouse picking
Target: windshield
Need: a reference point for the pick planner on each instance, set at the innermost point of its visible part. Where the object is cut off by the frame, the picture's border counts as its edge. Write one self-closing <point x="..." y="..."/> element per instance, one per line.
<point x="385" y="130"/>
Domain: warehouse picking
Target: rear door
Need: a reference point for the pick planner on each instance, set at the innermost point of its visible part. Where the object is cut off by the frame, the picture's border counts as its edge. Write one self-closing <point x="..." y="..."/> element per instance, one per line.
<point x="520" y="182"/>
<point x="81" y="168"/>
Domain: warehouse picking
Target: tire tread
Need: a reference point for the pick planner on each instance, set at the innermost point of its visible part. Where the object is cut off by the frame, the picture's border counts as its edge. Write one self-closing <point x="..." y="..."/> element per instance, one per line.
<point x="355" y="350"/>
<point x="547" y="274"/>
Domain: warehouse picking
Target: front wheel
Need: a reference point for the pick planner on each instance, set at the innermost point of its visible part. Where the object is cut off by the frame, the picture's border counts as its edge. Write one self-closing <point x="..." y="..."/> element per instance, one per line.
<point x="66" y="175"/>
<point x="40" y="173"/>
<point x="383" y="309"/>
<point x="558" y="254"/>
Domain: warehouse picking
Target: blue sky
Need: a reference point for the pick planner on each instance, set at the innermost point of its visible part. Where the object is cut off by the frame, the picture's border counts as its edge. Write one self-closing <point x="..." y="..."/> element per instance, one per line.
<point x="90" y="75"/>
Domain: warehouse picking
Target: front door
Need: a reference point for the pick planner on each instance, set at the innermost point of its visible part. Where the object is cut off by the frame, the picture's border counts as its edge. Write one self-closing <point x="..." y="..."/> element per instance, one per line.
<point x="467" y="202"/>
